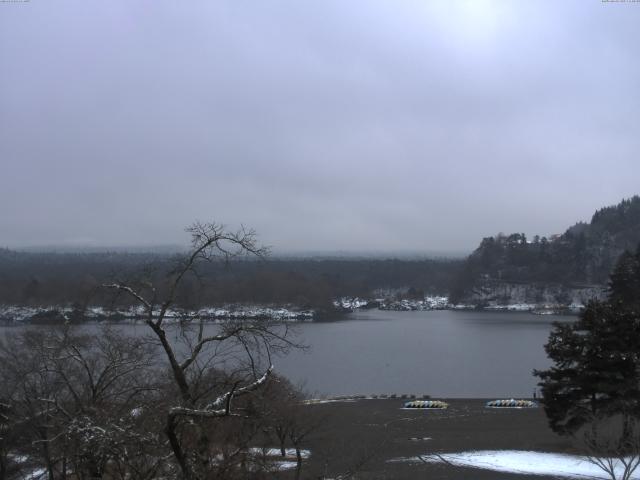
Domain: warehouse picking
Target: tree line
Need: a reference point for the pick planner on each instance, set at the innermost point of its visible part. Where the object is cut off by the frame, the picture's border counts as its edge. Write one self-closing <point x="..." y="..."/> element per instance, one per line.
<point x="42" y="279"/>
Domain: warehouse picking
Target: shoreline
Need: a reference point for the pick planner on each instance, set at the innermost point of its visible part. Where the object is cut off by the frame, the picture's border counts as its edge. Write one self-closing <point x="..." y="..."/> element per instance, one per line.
<point x="54" y="314"/>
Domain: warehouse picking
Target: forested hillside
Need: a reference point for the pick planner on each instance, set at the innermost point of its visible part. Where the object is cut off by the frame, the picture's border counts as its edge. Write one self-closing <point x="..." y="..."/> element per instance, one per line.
<point x="583" y="256"/>
<point x="42" y="279"/>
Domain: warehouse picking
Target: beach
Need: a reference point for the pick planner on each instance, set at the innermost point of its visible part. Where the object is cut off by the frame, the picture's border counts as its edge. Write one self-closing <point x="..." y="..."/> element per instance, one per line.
<point x="381" y="440"/>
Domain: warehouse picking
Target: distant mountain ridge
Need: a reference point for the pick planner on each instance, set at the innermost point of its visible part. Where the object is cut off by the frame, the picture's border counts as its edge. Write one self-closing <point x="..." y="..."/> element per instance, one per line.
<point x="579" y="260"/>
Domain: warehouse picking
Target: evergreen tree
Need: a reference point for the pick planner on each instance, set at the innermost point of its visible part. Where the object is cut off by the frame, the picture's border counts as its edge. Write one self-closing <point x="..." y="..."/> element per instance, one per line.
<point x="596" y="371"/>
<point x="624" y="283"/>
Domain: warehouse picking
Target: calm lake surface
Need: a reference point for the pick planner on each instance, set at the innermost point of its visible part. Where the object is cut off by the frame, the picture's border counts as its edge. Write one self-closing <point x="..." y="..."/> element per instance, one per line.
<point x="439" y="353"/>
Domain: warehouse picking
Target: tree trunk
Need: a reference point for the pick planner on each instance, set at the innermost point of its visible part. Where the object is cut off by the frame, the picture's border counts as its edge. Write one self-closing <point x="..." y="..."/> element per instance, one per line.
<point x="46" y="455"/>
<point x="203" y="448"/>
<point x="626" y="433"/>
<point x="178" y="373"/>
<point x="298" y="462"/>
<point x="174" y="441"/>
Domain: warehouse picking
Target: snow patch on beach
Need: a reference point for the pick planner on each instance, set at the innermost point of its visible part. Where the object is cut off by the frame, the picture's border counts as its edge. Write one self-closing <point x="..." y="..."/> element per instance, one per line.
<point x="520" y="462"/>
<point x="277" y="461"/>
<point x="275" y="452"/>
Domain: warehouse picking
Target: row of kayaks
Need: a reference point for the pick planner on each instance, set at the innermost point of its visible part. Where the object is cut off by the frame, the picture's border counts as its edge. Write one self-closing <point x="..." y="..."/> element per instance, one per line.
<point x="438" y="404"/>
<point x="426" y="404"/>
<point x="511" y="403"/>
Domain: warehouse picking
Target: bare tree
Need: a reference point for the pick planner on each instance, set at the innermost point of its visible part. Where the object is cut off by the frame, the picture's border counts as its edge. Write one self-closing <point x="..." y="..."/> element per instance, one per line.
<point x="287" y="420"/>
<point x="205" y="392"/>
<point x="613" y="444"/>
<point x="5" y="439"/>
<point x="70" y="397"/>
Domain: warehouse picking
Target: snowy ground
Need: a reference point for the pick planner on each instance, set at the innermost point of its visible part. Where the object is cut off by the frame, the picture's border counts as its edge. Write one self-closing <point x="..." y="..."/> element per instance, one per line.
<point x="519" y="462"/>
<point x="279" y="463"/>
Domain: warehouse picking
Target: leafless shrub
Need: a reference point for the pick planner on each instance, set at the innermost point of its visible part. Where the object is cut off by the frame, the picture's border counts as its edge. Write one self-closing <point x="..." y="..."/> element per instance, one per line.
<point x="71" y="396"/>
<point x="613" y="444"/>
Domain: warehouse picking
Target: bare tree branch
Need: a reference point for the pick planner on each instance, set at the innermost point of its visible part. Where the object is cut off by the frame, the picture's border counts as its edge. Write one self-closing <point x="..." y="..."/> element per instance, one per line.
<point x="224" y="400"/>
<point x="130" y="291"/>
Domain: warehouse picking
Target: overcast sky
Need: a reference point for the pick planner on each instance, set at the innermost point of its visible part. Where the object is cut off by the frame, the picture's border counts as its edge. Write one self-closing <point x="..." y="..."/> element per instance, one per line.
<point x="326" y="125"/>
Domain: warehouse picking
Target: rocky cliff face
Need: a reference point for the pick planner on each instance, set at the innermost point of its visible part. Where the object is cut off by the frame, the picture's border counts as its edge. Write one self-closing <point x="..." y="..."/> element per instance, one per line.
<point x="536" y="295"/>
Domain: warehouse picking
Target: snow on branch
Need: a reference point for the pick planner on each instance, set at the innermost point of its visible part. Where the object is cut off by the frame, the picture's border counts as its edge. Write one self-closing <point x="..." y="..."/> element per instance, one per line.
<point x="221" y="406"/>
<point x="130" y="291"/>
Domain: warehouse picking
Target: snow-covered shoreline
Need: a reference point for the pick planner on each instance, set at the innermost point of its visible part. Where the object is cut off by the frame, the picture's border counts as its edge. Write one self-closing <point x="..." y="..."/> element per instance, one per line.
<point x="442" y="303"/>
<point x="53" y="314"/>
<point x="383" y="303"/>
<point x="288" y="313"/>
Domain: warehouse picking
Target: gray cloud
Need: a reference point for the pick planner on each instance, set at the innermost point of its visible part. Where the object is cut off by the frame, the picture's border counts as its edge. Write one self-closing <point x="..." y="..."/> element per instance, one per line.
<point x="365" y="125"/>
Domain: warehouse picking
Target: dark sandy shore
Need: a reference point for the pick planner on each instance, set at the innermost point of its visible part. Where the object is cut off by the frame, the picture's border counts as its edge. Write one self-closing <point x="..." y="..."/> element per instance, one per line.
<point x="366" y="434"/>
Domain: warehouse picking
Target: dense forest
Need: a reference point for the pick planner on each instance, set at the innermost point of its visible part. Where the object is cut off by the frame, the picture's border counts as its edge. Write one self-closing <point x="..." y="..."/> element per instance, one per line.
<point x="582" y="256"/>
<point x="40" y="279"/>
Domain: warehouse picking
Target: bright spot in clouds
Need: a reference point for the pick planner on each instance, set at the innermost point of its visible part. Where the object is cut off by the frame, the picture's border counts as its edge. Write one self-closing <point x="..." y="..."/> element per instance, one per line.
<point x="480" y="22"/>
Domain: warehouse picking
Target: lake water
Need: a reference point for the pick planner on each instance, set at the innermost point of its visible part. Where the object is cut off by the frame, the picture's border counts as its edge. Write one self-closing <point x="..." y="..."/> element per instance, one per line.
<point x="438" y="353"/>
